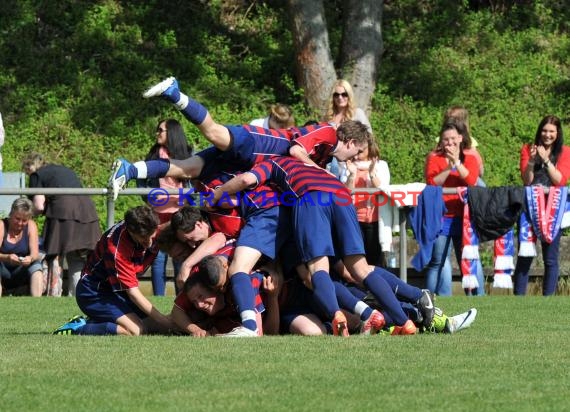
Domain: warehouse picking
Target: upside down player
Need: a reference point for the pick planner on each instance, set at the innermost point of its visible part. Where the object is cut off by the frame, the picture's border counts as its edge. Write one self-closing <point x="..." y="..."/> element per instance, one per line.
<point x="238" y="148"/>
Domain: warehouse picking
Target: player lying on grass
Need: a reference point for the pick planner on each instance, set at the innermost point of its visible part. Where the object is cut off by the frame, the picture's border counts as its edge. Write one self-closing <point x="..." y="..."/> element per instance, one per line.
<point x="206" y="306"/>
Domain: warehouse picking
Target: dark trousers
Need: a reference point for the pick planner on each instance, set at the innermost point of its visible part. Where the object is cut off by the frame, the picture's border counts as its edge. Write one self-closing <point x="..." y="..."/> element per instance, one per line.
<point x="371" y="243"/>
<point x="550" y="255"/>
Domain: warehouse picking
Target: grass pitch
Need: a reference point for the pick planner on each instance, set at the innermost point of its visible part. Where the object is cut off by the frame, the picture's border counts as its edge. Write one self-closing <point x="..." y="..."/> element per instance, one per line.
<point x="515" y="357"/>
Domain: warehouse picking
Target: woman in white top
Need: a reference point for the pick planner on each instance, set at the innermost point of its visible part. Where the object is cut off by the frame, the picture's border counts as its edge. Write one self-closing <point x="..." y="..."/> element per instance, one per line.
<point x="342" y="106"/>
<point x="367" y="170"/>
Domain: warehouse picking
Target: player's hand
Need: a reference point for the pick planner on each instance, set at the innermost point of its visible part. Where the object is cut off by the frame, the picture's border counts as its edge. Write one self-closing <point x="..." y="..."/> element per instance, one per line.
<point x="271" y="285"/>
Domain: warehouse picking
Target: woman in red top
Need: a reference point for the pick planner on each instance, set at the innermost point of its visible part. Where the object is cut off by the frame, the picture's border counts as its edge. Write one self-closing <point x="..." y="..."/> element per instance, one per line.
<point x="449" y="167"/>
<point x="546" y="162"/>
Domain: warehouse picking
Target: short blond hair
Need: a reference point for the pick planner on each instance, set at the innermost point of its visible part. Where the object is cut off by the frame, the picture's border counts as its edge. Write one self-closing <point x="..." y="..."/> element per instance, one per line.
<point x="22" y="205"/>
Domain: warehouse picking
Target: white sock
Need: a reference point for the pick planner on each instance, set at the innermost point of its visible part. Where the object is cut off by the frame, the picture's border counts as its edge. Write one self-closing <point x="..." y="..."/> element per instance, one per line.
<point x="182" y="102"/>
<point x="360" y="308"/>
<point x="141" y="169"/>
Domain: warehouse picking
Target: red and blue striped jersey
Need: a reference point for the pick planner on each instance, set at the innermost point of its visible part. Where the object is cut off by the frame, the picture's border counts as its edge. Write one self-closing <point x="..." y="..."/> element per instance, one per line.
<point x="268" y="142"/>
<point x="230" y="310"/>
<point x="260" y="197"/>
<point x="118" y="260"/>
<point x="318" y="140"/>
<point x="227" y="250"/>
<point x="226" y="221"/>
<point x="290" y="175"/>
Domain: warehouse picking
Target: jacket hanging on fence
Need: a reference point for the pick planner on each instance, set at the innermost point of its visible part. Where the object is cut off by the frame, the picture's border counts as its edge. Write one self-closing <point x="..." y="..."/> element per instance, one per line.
<point x="494" y="211"/>
<point x="425" y="221"/>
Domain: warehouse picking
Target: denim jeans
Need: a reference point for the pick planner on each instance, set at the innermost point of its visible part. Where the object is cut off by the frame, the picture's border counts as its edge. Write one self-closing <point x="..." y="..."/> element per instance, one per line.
<point x="158" y="273"/>
<point x="439" y="270"/>
<point x="550" y="254"/>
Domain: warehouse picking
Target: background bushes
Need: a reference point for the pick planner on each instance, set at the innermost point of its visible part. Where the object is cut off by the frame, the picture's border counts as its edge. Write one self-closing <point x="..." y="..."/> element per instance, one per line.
<point x="72" y="73"/>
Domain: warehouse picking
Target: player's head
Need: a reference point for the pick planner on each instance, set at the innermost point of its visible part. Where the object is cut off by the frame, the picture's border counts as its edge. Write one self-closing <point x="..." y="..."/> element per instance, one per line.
<point x="213" y="271"/>
<point x="353" y="138"/>
<point x="190" y="226"/>
<point x="142" y="223"/>
<point x="168" y="243"/>
<point x="204" y="287"/>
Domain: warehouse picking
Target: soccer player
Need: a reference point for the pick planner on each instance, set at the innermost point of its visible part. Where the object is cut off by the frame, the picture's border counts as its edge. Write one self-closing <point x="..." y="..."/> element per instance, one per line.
<point x="194" y="228"/>
<point x="238" y="148"/>
<point x="266" y="228"/>
<point x="207" y="291"/>
<point x="108" y="291"/>
<point x="322" y="202"/>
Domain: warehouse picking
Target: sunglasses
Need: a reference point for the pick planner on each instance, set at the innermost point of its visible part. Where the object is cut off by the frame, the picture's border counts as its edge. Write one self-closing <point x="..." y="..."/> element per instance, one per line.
<point x="343" y="94"/>
<point x="160" y="130"/>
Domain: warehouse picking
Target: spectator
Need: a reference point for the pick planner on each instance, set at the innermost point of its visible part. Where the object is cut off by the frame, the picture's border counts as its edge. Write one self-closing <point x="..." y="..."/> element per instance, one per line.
<point x="20" y="264"/>
<point x="280" y="117"/>
<point x="108" y="292"/>
<point x="546" y="162"/>
<point x="367" y="170"/>
<point x="460" y="115"/>
<point x="71" y="227"/>
<point x="450" y="166"/>
<point x="171" y="143"/>
<point x="342" y="106"/>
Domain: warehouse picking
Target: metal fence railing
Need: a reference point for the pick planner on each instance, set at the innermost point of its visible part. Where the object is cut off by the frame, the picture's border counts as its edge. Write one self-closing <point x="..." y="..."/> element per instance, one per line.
<point x="110" y="206"/>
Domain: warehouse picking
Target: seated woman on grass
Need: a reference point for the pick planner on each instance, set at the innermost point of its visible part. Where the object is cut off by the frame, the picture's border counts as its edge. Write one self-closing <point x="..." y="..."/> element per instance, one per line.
<point x="19" y="251"/>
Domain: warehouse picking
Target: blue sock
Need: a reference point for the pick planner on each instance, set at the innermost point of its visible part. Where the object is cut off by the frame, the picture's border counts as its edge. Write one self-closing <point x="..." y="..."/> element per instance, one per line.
<point x="412" y="312"/>
<point x="385" y="297"/>
<point x="149" y="169"/>
<point x="98" y="328"/>
<point x="348" y="301"/>
<point x="244" y="298"/>
<point x="403" y="290"/>
<point x="389" y="321"/>
<point x="157" y="168"/>
<point x="324" y="292"/>
<point x="194" y="111"/>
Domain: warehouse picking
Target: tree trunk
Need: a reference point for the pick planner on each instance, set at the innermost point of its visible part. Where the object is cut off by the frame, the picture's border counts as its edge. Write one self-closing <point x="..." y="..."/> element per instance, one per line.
<point x="361" y="47"/>
<point x="315" y="67"/>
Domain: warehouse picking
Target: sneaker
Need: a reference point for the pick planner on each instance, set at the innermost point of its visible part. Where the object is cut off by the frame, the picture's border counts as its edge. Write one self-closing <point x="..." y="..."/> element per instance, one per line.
<point x="407" y="329"/>
<point x="373" y="324"/>
<point x="167" y="88"/>
<point x="387" y="331"/>
<point x="119" y="176"/>
<point x="426" y="307"/>
<point x="462" y="321"/>
<point x="71" y="327"/>
<point x="440" y="322"/>
<point x="240" y="332"/>
<point x="340" y="325"/>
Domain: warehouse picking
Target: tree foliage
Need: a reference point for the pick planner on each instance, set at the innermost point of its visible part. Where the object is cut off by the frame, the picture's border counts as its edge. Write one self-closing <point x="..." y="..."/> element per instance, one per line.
<point x="72" y="73"/>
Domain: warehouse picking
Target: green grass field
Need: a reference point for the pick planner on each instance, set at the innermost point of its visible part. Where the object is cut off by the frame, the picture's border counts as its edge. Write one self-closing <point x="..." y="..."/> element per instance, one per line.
<point x="515" y="357"/>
